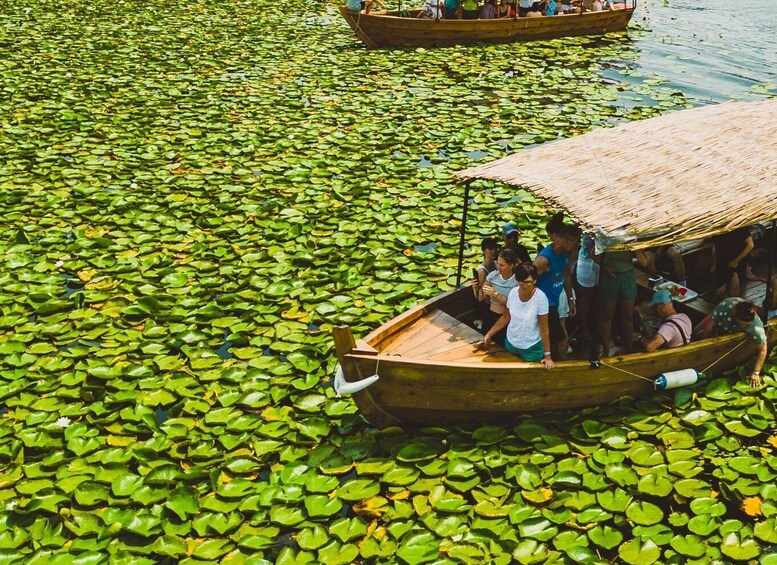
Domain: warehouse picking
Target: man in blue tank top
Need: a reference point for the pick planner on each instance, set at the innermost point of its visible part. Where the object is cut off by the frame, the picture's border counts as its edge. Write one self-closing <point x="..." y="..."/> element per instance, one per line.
<point x="554" y="279"/>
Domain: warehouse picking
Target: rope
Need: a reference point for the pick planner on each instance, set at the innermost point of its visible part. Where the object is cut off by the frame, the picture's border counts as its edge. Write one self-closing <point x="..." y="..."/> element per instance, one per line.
<point x="729" y="352"/>
<point x="625" y="371"/>
<point x="726" y="354"/>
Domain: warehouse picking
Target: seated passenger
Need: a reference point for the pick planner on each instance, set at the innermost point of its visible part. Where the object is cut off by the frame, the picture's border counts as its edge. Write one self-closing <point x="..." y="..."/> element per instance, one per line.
<point x="550" y="8"/>
<point x="503" y="10"/>
<point x="451" y="9"/>
<point x="731" y="251"/>
<point x="498" y="285"/>
<point x="487" y="10"/>
<point x="524" y="7"/>
<point x="469" y="9"/>
<point x="669" y="257"/>
<point x="598" y="6"/>
<point x="526" y="319"/>
<point x="432" y="10"/>
<point x="733" y="315"/>
<point x="490" y="251"/>
<point x="675" y="329"/>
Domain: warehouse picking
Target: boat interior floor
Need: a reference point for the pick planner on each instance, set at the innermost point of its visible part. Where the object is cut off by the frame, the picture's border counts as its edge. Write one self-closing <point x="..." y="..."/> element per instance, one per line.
<point x="438" y="336"/>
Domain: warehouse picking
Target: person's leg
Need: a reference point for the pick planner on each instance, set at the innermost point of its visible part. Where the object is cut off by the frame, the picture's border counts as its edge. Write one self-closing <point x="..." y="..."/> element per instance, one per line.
<point x="558" y="342"/>
<point x="678" y="265"/>
<point x="585" y="297"/>
<point x="605" y="328"/>
<point x="627" y="323"/>
<point x="733" y="283"/>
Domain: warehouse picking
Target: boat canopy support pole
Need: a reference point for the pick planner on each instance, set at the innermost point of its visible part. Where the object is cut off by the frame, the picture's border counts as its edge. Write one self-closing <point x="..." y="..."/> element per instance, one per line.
<point x="767" y="305"/>
<point x="463" y="233"/>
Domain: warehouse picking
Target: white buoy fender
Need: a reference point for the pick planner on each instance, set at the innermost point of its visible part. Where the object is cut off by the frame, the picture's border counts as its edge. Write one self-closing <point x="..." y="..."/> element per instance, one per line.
<point x="344" y="387"/>
<point x="676" y="379"/>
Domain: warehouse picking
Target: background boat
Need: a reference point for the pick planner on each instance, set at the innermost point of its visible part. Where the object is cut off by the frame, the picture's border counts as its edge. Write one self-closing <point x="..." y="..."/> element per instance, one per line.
<point x="388" y="29"/>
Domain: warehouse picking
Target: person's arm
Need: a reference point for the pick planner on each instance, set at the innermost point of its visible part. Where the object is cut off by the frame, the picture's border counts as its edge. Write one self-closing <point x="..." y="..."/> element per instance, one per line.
<point x="478" y="285"/>
<point x="642" y="258"/>
<point x="493" y="293"/>
<point x="542" y="321"/>
<point x="542" y="265"/>
<point x="568" y="289"/>
<point x="503" y="320"/>
<point x="653" y="342"/>
<point x="749" y="245"/>
<point x="755" y="376"/>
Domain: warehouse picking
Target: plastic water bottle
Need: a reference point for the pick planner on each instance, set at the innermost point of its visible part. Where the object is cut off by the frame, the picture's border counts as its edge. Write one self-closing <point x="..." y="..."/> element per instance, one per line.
<point x="676" y="379"/>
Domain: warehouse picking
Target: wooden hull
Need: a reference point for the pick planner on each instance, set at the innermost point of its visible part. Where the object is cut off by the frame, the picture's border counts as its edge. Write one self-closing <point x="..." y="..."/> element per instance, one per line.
<point x="448" y="380"/>
<point x="389" y="30"/>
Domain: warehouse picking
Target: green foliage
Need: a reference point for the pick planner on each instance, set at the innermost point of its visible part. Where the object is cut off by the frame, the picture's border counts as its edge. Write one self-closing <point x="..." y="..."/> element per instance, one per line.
<point x="194" y="193"/>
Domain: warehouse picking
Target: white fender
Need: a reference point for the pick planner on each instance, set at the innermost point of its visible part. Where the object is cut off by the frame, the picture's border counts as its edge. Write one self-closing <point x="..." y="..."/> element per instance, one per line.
<point x="344" y="387"/>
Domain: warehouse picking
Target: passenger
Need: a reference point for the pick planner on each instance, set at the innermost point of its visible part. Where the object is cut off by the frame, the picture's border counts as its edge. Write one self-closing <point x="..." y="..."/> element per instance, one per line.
<point x="490" y="251"/>
<point x="675" y="330"/>
<point x="451" y="9"/>
<point x="554" y="278"/>
<point x="618" y="285"/>
<point x="526" y="320"/>
<point x="488" y="10"/>
<point x="524" y="7"/>
<point x="731" y="251"/>
<point x="567" y="7"/>
<point x="598" y="6"/>
<point x="733" y="315"/>
<point x="550" y="8"/>
<point x="432" y="10"/>
<point x="510" y="235"/>
<point x="587" y="271"/>
<point x="553" y="227"/>
<point x="498" y="285"/>
<point x="663" y="255"/>
<point x="469" y="9"/>
<point x="503" y="10"/>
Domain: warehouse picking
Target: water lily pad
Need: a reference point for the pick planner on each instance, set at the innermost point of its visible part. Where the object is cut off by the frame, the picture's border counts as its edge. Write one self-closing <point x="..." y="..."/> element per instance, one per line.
<point x="636" y="552"/>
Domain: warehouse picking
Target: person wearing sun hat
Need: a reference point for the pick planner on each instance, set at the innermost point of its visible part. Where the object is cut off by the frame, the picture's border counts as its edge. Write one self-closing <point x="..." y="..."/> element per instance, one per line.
<point x="675" y="329"/>
<point x="733" y="315"/>
<point x="510" y="235"/>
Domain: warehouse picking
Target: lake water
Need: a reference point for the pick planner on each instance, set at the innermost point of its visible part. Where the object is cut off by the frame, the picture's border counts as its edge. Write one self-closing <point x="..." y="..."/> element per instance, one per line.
<point x="712" y="50"/>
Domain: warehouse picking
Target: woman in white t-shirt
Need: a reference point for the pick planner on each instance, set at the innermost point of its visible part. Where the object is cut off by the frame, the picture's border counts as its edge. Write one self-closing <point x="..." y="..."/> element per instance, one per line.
<point x="526" y="318"/>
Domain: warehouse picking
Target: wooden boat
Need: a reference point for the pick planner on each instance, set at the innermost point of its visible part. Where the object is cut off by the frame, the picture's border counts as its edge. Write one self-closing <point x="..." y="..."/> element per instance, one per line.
<point x="429" y="370"/>
<point x="388" y="29"/>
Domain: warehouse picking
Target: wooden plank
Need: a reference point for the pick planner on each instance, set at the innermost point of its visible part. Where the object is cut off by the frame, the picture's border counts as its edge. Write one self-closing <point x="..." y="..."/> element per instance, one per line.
<point x="429" y="324"/>
<point x="451" y="331"/>
<point x="440" y="328"/>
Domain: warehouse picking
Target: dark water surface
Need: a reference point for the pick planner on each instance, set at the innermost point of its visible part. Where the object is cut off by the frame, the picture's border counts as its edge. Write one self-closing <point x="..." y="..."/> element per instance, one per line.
<point x="712" y="50"/>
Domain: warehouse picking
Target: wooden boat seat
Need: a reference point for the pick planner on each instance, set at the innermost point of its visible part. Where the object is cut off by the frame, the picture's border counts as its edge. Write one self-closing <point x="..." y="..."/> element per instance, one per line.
<point x="438" y="336"/>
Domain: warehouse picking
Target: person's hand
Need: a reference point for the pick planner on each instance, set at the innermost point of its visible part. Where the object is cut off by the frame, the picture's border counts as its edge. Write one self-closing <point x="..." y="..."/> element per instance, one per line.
<point x="755" y="379"/>
<point x="548" y="362"/>
<point x="734" y="264"/>
<point x="572" y="308"/>
<point x="485" y="342"/>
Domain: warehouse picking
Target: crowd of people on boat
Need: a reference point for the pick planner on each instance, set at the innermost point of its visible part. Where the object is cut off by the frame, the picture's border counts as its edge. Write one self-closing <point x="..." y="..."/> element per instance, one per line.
<point x="525" y="302"/>
<point x="496" y="9"/>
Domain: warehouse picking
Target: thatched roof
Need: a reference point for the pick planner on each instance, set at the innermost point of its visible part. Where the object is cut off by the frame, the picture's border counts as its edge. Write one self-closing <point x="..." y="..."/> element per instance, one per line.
<point x="685" y="175"/>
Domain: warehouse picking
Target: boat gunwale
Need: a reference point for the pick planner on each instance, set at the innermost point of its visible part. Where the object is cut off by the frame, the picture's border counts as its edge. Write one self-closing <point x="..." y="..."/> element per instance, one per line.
<point x="389" y="329"/>
<point x="494" y="22"/>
